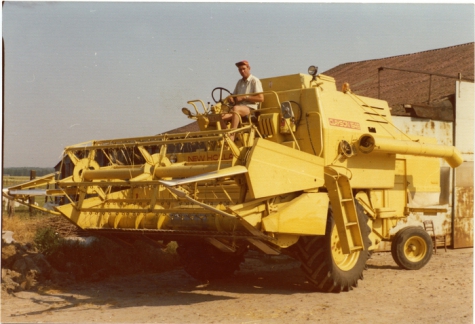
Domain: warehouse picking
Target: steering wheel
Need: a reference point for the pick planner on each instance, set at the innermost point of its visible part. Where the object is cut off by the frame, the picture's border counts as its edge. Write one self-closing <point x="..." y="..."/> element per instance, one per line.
<point x="220" y="89"/>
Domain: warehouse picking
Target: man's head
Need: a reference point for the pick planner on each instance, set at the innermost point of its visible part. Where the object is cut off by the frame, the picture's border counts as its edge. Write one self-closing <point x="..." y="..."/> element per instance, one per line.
<point x="244" y="69"/>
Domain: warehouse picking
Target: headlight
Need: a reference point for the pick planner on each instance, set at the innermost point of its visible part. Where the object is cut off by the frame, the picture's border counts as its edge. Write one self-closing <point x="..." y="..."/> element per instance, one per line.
<point x="312" y="70"/>
<point x="186" y="111"/>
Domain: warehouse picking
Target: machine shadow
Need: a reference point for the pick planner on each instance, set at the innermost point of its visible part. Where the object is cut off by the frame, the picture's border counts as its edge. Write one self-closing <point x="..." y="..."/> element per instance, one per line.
<point x="381" y="267"/>
<point x="176" y="287"/>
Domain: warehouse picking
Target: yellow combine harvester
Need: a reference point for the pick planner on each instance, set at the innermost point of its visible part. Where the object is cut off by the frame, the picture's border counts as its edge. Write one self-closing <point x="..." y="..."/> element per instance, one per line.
<point x="317" y="173"/>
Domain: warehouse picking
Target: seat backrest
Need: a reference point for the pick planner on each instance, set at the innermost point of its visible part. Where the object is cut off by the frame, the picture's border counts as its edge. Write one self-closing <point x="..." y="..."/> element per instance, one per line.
<point x="270" y="100"/>
<point x="429" y="226"/>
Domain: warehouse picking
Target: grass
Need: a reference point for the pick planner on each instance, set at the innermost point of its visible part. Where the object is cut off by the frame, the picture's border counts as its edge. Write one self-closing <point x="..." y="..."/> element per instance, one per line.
<point x="23" y="226"/>
<point x="9" y="181"/>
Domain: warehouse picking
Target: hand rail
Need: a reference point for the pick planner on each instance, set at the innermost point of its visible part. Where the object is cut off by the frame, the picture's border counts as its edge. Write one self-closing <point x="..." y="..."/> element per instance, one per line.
<point x="191" y="102"/>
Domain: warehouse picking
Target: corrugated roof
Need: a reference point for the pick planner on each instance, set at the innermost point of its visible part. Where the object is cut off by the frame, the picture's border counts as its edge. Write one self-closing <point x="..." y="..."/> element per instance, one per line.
<point x="399" y="87"/>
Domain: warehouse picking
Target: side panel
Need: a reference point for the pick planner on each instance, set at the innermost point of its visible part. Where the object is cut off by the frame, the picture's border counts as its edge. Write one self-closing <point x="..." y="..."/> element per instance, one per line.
<point x="347" y="117"/>
<point x="371" y="170"/>
<point x="306" y="214"/>
<point x="275" y="169"/>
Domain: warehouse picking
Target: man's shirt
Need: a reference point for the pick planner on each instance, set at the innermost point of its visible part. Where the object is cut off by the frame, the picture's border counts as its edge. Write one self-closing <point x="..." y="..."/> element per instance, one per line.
<point x="251" y="85"/>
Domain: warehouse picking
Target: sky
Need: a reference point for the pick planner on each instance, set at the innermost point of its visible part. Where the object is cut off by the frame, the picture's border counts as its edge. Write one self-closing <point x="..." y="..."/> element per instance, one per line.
<point x="80" y="71"/>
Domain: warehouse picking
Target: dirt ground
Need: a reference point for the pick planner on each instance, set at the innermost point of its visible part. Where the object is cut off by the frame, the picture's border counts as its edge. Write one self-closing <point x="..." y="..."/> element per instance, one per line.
<point x="271" y="290"/>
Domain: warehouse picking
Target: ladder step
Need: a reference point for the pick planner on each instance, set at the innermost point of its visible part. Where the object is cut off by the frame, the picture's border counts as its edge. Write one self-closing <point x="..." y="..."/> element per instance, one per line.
<point x="344" y="212"/>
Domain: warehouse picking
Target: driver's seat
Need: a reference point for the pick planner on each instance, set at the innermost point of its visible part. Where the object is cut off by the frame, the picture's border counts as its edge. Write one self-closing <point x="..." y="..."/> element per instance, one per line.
<point x="252" y="117"/>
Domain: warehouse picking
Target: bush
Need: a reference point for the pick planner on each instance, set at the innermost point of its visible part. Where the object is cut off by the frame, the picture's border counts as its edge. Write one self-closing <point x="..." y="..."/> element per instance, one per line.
<point x="46" y="240"/>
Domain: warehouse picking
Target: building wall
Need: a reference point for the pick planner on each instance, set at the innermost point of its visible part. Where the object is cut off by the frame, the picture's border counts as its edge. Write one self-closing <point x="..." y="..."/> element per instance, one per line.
<point x="463" y="176"/>
<point x="456" y="184"/>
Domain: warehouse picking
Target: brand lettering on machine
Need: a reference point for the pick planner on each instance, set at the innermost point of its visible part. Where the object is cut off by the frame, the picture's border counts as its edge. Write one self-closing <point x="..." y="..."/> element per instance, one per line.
<point x="344" y="123"/>
<point x="210" y="157"/>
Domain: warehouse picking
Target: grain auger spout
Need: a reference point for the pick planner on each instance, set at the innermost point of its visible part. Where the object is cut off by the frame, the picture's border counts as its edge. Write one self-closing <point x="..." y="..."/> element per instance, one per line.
<point x="368" y="143"/>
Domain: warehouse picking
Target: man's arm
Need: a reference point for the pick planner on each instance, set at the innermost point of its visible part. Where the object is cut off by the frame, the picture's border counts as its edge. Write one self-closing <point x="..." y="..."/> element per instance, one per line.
<point x="251" y="98"/>
<point x="256" y="87"/>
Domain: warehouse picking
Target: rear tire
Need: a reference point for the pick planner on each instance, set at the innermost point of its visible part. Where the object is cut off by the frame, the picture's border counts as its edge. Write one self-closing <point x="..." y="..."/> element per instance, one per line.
<point x="323" y="262"/>
<point x="205" y="262"/>
<point x="411" y="248"/>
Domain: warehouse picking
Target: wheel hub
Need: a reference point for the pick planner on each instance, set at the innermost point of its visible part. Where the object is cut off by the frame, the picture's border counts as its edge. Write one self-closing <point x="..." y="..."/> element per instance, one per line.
<point x="343" y="261"/>
<point x="415" y="249"/>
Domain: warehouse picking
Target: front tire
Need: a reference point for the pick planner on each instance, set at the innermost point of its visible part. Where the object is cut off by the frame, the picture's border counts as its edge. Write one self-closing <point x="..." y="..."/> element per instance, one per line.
<point x="411" y="248"/>
<point x="324" y="263"/>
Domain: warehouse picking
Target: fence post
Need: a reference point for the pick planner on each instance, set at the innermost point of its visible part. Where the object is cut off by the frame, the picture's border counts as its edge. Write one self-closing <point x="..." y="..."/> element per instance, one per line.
<point x="10" y="207"/>
<point x="32" y="199"/>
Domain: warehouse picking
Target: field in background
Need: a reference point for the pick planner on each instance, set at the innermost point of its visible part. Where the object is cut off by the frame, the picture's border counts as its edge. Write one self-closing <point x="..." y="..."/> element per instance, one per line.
<point x="25" y="171"/>
<point x="9" y="180"/>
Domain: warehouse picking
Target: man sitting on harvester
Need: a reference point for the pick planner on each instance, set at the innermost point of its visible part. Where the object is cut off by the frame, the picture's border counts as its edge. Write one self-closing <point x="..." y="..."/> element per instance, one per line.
<point x="243" y="105"/>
